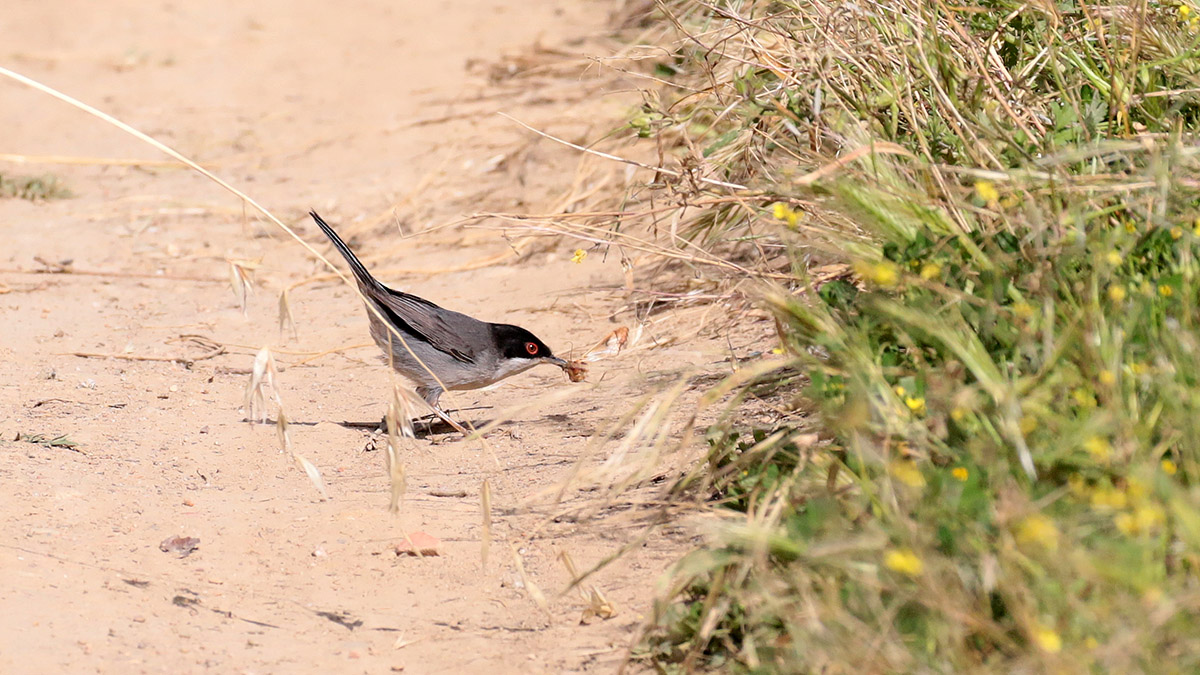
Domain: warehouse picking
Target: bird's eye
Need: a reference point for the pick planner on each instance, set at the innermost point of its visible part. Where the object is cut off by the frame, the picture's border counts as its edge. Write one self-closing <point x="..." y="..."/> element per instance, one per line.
<point x="531" y="347"/>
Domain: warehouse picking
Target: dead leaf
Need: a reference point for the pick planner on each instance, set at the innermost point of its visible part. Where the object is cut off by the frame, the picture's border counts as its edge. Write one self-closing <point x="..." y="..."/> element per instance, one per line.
<point x="598" y="607"/>
<point x="419" y="544"/>
<point x="611" y="345"/>
<point x="180" y="546"/>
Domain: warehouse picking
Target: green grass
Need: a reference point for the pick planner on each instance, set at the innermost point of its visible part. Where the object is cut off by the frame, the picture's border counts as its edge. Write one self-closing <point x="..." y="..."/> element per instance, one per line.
<point x="33" y="188"/>
<point x="60" y="441"/>
<point x="1004" y="383"/>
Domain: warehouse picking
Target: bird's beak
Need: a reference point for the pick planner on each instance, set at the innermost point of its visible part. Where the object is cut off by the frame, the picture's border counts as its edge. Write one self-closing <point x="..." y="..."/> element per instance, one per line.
<point x="556" y="361"/>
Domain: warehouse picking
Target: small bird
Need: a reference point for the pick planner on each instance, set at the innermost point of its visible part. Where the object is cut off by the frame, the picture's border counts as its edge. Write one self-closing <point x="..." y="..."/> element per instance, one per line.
<point x="441" y="349"/>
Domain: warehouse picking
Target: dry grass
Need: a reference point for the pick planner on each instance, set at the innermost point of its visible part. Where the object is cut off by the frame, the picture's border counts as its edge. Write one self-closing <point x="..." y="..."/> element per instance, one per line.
<point x="975" y="228"/>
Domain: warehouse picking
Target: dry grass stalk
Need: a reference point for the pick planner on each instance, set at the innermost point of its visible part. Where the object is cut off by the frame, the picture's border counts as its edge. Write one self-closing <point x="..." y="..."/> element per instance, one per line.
<point x="637" y="457"/>
<point x="597" y="605"/>
<point x="485" y="504"/>
<point x="531" y="588"/>
<point x="531" y="403"/>
<point x="89" y="161"/>
<point x="287" y="323"/>
<point x="241" y="279"/>
<point x="215" y="350"/>
<point x="313" y="356"/>
<point x="73" y="271"/>
<point x="262" y="376"/>
<point x="632" y="162"/>
<point x="605" y="235"/>
<point x="400" y="412"/>
<point x="310" y="469"/>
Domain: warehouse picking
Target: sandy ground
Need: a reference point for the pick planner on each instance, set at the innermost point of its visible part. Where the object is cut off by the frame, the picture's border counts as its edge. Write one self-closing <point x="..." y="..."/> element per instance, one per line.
<point x="381" y="115"/>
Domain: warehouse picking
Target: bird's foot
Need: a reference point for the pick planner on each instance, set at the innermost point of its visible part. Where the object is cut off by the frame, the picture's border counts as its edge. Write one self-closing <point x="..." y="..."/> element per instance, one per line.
<point x="448" y="420"/>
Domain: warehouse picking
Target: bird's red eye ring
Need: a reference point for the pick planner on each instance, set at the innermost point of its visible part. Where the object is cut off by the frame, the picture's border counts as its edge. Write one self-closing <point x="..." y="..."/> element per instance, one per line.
<point x="531" y="347"/>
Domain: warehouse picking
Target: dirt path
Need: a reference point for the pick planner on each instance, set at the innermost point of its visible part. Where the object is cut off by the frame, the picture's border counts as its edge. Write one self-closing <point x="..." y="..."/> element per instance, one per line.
<point x="368" y="112"/>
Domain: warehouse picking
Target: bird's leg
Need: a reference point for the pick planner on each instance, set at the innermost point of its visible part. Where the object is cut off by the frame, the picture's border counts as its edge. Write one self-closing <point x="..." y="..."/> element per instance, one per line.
<point x="431" y="396"/>
<point x="446" y="418"/>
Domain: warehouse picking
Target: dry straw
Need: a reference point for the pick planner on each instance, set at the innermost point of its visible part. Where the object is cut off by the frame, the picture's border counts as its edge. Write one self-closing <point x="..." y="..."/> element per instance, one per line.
<point x="485" y="505"/>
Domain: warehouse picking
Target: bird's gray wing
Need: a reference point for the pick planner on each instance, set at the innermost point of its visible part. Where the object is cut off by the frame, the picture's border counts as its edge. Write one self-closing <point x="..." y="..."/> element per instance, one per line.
<point x="446" y="331"/>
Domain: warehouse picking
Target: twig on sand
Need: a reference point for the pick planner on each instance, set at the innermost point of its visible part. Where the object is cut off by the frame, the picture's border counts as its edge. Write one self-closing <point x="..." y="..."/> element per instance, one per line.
<point x="214" y="349"/>
<point x="64" y="269"/>
<point x="185" y="360"/>
<point x="91" y="161"/>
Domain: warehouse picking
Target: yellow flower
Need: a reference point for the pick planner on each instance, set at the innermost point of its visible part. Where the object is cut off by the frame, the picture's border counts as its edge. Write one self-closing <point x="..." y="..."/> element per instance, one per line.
<point x="1113" y="258"/>
<point x="1083" y="397"/>
<point x="1135" y="489"/>
<point x="961" y="473"/>
<point x="885" y="274"/>
<point x="1098" y="447"/>
<point x="1138" y="368"/>
<point x="1048" y="640"/>
<point x="917" y="405"/>
<point x="907" y="472"/>
<point x="1130" y="227"/>
<point x="1176" y="232"/>
<point x="1040" y="530"/>
<point x="785" y="213"/>
<point x="580" y="254"/>
<point x="1165" y="290"/>
<point x="1108" y="499"/>
<point x="987" y="192"/>
<point x="1091" y="642"/>
<point x="900" y="391"/>
<point x="1125" y="523"/>
<point x="1116" y="292"/>
<point x="931" y="271"/>
<point x="1169" y="467"/>
<point x="1023" y="310"/>
<point x="1107" y="377"/>
<point x="1148" y="518"/>
<point x="904" y="561"/>
<point x="957" y="414"/>
<point x="1143" y="519"/>
<point x="1184" y="12"/>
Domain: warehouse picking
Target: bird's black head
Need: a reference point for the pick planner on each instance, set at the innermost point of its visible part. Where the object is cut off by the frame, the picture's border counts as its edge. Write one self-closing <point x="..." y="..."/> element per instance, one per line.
<point x="517" y="344"/>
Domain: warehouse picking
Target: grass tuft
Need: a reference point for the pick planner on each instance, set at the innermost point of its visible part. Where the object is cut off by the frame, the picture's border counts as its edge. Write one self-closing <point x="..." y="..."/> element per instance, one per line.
<point x="33" y="188"/>
<point x="995" y="472"/>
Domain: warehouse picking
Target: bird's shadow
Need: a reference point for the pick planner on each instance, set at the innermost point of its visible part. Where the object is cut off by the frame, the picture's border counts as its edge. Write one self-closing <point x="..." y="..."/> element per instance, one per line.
<point x="423" y="427"/>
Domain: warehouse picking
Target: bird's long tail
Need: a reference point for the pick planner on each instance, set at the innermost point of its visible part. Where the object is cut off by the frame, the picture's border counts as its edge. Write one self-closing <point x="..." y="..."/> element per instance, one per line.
<point x="360" y="272"/>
